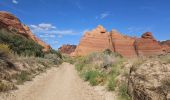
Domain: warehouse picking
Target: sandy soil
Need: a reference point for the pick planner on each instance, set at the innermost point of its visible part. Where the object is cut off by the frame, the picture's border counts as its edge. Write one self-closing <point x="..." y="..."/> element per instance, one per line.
<point x="61" y="83"/>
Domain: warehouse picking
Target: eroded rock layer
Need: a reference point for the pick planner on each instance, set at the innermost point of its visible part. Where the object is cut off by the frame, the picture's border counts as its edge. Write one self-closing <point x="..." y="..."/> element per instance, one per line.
<point x="124" y="45"/>
<point x="99" y="40"/>
<point x="13" y="24"/>
<point x="94" y="41"/>
<point x="147" y="45"/>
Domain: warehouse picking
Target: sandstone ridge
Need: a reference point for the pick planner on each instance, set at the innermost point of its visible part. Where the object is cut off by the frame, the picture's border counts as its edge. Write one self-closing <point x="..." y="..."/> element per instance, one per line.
<point x="99" y="39"/>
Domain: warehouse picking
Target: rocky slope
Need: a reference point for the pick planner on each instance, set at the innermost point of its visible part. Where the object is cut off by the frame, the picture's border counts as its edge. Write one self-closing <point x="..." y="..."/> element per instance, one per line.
<point x="67" y="49"/>
<point x="13" y="24"/>
<point x="99" y="40"/>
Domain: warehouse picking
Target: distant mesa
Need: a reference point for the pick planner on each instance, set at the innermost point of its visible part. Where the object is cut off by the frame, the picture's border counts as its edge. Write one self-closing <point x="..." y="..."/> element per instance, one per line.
<point x="99" y="39"/>
<point x="13" y="24"/>
<point x="67" y="49"/>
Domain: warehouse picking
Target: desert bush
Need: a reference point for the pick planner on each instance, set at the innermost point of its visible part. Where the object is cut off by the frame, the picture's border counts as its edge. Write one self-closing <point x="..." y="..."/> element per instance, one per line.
<point x="79" y="66"/>
<point x="54" y="58"/>
<point x="4" y="51"/>
<point x="136" y="63"/>
<point x="94" y="77"/>
<point x="58" y="53"/>
<point x="21" y="45"/>
<point x="22" y="77"/>
<point x="123" y="95"/>
<point x="5" y="86"/>
<point x="111" y="84"/>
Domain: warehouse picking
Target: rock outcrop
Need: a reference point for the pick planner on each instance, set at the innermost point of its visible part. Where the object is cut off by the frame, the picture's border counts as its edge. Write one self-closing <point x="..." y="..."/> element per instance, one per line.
<point x="13" y="24"/>
<point x="99" y="40"/>
<point x="96" y="40"/>
<point x="147" y="45"/>
<point x="150" y="80"/>
<point x="67" y="49"/>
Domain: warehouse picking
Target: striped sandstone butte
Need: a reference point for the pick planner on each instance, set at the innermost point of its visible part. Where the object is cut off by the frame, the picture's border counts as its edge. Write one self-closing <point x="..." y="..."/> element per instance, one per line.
<point x="99" y="40"/>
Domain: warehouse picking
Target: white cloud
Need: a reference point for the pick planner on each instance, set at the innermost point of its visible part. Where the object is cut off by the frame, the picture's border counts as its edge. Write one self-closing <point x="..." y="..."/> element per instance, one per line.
<point x="104" y="15"/>
<point x="50" y="29"/>
<point x="42" y="27"/>
<point x="15" y="1"/>
<point x="47" y="36"/>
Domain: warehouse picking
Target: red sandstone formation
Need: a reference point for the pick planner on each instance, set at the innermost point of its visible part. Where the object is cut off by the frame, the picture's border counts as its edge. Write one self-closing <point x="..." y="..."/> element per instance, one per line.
<point x="13" y="24"/>
<point x="147" y="45"/>
<point x="124" y="45"/>
<point x="67" y="49"/>
<point x="93" y="41"/>
<point x="99" y="40"/>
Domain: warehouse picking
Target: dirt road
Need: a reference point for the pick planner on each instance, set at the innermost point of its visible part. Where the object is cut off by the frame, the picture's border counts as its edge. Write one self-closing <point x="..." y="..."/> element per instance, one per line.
<point x="61" y="83"/>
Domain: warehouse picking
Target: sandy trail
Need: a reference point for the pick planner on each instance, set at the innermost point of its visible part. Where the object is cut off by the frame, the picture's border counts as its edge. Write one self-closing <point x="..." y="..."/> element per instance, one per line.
<point x="61" y="83"/>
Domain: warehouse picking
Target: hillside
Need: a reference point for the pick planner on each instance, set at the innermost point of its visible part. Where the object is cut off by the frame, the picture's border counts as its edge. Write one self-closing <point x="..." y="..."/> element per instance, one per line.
<point x="12" y="24"/>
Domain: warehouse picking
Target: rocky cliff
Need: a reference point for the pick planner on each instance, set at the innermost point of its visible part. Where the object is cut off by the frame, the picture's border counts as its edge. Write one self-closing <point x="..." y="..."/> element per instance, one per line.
<point x="99" y="40"/>
<point x="13" y="24"/>
<point x="67" y="49"/>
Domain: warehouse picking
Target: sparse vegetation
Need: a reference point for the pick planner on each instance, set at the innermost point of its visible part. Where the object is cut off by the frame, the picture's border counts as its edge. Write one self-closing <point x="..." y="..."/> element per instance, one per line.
<point x="20" y="45"/>
<point x="22" y="77"/>
<point x="21" y="59"/>
<point x="103" y="68"/>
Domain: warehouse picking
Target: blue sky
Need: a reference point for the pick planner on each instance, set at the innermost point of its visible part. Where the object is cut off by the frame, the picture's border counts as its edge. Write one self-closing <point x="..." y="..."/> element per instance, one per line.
<point x="60" y="22"/>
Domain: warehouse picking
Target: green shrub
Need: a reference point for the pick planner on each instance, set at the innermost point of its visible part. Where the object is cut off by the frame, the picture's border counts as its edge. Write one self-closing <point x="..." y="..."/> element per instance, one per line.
<point x="107" y="51"/>
<point x="94" y="77"/>
<point x="22" y="77"/>
<point x="123" y="92"/>
<point x="111" y="84"/>
<point x="79" y="66"/>
<point x="20" y="44"/>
